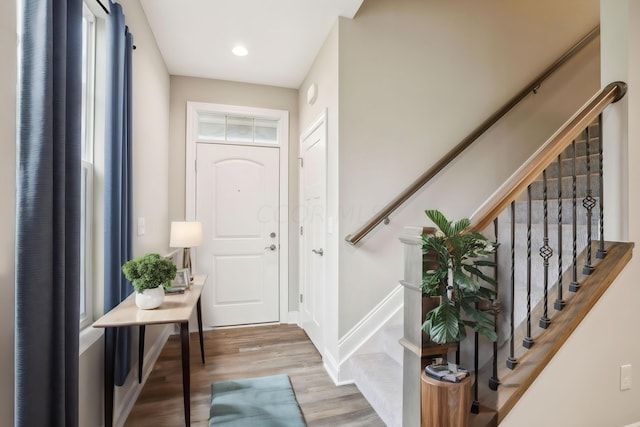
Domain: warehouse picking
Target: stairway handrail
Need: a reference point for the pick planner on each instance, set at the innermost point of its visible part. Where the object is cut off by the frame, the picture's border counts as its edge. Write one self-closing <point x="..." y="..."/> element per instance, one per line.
<point x="383" y="214"/>
<point x="545" y="155"/>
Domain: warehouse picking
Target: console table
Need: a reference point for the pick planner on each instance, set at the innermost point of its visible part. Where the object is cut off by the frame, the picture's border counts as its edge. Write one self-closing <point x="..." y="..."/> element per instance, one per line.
<point x="176" y="308"/>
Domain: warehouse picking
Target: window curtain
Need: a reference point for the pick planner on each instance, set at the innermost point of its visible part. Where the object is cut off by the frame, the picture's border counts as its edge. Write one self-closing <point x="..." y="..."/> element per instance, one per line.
<point x="118" y="188"/>
<point x="47" y="282"/>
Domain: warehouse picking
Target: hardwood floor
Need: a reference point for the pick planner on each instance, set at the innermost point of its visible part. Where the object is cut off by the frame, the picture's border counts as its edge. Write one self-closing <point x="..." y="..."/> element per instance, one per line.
<point x="244" y="353"/>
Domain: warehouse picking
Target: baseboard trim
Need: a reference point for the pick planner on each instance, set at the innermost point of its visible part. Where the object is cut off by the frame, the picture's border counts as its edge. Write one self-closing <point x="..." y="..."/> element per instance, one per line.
<point x="333" y="369"/>
<point x="371" y="323"/>
<point x="292" y="318"/>
<point x="133" y="388"/>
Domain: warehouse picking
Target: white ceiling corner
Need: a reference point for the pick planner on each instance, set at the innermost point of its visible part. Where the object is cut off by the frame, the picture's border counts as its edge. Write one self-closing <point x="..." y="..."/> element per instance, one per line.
<point x="283" y="37"/>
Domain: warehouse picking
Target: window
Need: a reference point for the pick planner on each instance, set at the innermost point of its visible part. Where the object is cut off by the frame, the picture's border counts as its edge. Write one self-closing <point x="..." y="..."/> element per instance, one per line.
<point x="88" y="100"/>
<point x="217" y="127"/>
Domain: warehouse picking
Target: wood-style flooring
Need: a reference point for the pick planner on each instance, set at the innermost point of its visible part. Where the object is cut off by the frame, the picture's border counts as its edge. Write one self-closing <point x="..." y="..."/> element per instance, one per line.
<point x="245" y="353"/>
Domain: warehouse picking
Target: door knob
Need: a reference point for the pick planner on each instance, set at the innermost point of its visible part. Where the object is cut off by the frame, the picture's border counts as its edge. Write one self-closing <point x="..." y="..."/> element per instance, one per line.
<point x="318" y="252"/>
<point x="272" y="247"/>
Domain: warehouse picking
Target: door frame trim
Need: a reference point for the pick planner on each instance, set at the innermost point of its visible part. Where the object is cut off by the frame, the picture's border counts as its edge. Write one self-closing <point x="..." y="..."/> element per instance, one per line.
<point x="319" y="121"/>
<point x="193" y="108"/>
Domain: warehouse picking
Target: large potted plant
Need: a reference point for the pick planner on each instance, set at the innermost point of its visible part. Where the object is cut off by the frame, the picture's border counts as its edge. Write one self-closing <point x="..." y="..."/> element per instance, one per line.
<point x="457" y="258"/>
<point x="150" y="275"/>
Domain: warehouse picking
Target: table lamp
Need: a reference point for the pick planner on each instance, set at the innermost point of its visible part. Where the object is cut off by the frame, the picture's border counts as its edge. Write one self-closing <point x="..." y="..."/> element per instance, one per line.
<point x="186" y="235"/>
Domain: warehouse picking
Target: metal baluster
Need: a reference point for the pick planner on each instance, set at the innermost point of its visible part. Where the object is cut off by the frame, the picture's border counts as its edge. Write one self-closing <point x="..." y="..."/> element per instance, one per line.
<point x="545" y="252"/>
<point x="528" y="341"/>
<point x="511" y="360"/>
<point x="494" y="382"/>
<point x="601" y="250"/>
<point x="559" y="304"/>
<point x="588" y="203"/>
<point x="475" y="405"/>
<point x="574" y="285"/>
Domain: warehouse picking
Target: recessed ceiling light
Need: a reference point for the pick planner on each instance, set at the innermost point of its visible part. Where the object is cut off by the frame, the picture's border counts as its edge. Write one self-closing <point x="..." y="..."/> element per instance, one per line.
<point x="240" y="51"/>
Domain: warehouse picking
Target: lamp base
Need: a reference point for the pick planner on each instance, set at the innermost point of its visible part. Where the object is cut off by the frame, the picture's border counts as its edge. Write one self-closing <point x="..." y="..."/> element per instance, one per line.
<point x="186" y="261"/>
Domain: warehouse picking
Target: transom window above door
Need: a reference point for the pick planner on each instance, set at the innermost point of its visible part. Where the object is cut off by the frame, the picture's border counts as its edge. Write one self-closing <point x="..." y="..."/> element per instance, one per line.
<point x="224" y="127"/>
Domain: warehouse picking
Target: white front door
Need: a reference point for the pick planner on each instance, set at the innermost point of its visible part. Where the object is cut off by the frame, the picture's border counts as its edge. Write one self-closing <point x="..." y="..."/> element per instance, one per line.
<point x="312" y="218"/>
<point x="237" y="201"/>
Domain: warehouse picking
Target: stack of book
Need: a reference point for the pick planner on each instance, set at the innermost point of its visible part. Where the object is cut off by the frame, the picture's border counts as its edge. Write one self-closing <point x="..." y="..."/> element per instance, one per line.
<point x="444" y="373"/>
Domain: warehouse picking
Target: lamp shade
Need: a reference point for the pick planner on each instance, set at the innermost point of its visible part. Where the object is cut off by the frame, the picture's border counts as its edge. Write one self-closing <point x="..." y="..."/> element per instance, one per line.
<point x="185" y="234"/>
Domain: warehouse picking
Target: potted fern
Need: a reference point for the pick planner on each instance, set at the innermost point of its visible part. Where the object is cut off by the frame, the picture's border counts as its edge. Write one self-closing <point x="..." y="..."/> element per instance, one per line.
<point x="150" y="275"/>
<point x="459" y="256"/>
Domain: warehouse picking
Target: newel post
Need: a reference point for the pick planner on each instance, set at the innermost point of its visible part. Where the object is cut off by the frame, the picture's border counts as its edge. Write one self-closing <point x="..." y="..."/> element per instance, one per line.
<point x="411" y="237"/>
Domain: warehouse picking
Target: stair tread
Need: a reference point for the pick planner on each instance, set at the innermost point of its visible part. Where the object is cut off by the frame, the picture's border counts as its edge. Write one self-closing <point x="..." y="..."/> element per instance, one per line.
<point x="379" y="378"/>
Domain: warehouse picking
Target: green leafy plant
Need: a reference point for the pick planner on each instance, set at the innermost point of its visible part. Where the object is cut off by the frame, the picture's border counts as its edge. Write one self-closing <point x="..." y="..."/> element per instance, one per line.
<point x="149" y="271"/>
<point x="459" y="256"/>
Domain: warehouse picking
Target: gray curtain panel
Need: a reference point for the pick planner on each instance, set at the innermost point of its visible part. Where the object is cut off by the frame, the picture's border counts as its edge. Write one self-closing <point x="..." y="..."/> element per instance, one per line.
<point x="118" y="186"/>
<point x="48" y="214"/>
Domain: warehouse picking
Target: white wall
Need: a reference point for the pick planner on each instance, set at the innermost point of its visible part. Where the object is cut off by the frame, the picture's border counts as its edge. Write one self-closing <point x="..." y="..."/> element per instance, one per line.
<point x="8" y="42"/>
<point x="185" y="89"/>
<point x="150" y="200"/>
<point x="580" y="387"/>
<point x="415" y="78"/>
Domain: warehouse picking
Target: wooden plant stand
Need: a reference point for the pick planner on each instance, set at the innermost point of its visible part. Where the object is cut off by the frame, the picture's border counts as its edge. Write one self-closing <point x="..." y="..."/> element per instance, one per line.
<point x="445" y="404"/>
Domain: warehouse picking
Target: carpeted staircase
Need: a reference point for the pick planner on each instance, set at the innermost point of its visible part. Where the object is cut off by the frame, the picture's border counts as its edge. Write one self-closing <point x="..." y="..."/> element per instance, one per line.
<point x="378" y="376"/>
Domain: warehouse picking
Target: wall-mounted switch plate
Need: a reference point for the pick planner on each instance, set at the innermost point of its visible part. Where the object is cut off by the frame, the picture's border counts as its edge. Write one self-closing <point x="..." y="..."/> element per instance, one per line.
<point x="625" y="377"/>
<point x="141" y="226"/>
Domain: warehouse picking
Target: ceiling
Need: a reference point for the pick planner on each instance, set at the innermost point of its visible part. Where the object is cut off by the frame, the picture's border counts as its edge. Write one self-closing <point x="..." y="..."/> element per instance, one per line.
<point x="283" y="37"/>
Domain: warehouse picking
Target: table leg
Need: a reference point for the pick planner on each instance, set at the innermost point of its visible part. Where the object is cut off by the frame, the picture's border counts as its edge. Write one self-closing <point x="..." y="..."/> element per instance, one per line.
<point x="199" y="310"/>
<point x="186" y="379"/>
<point x="110" y="335"/>
<point x="140" y="352"/>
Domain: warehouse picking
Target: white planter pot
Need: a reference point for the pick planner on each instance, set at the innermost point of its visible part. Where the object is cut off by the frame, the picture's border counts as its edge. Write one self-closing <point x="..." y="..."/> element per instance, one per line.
<point x="150" y="298"/>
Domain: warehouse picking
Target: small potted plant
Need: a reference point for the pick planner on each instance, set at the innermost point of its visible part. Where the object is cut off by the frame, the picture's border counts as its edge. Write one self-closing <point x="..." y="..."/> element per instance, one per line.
<point x="459" y="256"/>
<point x="150" y="275"/>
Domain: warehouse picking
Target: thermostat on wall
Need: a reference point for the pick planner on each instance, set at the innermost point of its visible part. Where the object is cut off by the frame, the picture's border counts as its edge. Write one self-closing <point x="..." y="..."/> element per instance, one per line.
<point x="312" y="93"/>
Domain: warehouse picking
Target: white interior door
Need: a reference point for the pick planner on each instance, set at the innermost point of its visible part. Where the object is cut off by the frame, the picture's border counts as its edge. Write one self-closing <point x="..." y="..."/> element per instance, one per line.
<point x="312" y="218"/>
<point x="237" y="201"/>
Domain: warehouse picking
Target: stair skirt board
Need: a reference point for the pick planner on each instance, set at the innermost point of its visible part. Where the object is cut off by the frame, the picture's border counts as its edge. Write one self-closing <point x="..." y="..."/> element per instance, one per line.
<point x="367" y="335"/>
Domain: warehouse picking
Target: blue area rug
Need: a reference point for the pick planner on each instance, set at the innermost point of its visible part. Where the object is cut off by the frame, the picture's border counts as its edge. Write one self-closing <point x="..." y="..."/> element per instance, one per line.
<point x="256" y="402"/>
